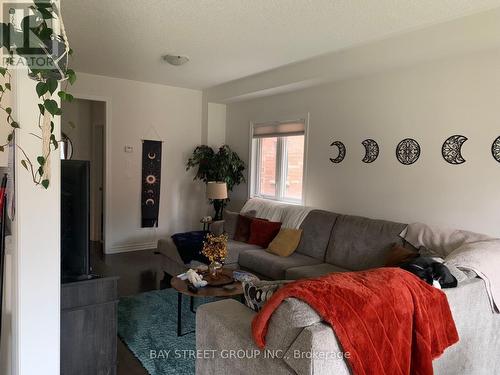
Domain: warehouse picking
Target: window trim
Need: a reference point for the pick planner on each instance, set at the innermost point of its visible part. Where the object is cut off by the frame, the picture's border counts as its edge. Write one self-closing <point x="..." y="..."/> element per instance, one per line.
<point x="254" y="154"/>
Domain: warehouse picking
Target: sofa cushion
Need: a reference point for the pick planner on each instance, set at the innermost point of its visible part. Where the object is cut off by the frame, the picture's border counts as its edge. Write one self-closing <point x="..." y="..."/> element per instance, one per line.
<point x="317" y="228"/>
<point x="262" y="232"/>
<point x="306" y="272"/>
<point x="359" y="243"/>
<point x="286" y="242"/>
<point x="235" y="248"/>
<point x="273" y="266"/>
<point x="230" y="221"/>
<point x="242" y="231"/>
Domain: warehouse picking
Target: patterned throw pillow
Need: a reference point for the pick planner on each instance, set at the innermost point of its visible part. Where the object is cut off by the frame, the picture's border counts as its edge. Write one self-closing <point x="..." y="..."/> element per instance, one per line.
<point x="257" y="293"/>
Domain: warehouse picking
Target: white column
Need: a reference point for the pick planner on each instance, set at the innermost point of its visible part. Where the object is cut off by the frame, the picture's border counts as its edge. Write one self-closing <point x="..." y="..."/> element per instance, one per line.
<point x="36" y="234"/>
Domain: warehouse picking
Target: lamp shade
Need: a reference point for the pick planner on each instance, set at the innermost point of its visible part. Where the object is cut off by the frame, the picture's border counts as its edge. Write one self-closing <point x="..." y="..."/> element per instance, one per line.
<point x="216" y="190"/>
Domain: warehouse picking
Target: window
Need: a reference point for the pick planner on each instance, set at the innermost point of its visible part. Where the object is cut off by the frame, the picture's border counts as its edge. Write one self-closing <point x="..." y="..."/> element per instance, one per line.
<point x="278" y="151"/>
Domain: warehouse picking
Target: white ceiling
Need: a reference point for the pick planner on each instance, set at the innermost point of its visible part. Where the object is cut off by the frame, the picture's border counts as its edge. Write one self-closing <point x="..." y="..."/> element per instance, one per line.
<point x="230" y="39"/>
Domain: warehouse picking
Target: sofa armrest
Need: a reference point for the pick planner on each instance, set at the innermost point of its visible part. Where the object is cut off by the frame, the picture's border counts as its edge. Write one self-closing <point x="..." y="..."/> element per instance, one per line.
<point x="317" y="351"/>
<point x="217" y="227"/>
<point x="171" y="260"/>
<point x="227" y="325"/>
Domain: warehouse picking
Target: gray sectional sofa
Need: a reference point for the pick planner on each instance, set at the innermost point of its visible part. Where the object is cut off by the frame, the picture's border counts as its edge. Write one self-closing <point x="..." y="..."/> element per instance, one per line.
<point x="299" y="342"/>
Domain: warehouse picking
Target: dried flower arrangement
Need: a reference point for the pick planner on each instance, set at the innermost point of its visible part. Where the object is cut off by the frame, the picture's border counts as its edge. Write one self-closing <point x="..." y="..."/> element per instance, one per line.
<point x="215" y="247"/>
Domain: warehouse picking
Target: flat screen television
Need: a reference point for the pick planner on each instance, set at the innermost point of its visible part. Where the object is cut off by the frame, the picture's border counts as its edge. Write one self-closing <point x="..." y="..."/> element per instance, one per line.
<point x="75" y="220"/>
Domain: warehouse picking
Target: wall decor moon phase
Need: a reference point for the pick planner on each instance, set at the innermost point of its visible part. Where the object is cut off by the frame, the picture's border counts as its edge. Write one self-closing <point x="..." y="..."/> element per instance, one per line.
<point x="371" y="150"/>
<point x="408" y="151"/>
<point x="495" y="149"/>
<point x="342" y="152"/>
<point x="151" y="183"/>
<point x="452" y="149"/>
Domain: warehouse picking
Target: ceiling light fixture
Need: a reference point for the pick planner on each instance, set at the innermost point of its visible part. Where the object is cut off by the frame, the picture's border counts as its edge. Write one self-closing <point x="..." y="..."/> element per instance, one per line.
<point x="175" y="60"/>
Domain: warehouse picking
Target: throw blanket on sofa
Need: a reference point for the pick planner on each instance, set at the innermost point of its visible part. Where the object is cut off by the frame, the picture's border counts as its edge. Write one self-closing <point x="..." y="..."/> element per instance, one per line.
<point x="290" y="215"/>
<point x="388" y="320"/>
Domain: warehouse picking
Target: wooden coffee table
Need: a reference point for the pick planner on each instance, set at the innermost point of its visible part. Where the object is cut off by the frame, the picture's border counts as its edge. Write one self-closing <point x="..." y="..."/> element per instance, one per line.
<point x="181" y="286"/>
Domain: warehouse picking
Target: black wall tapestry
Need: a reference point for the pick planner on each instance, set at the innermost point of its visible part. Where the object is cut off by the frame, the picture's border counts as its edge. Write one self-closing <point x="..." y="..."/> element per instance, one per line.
<point x="151" y="174"/>
<point x="342" y="152"/>
<point x="408" y="151"/>
<point x="495" y="149"/>
<point x="452" y="149"/>
<point x="371" y="150"/>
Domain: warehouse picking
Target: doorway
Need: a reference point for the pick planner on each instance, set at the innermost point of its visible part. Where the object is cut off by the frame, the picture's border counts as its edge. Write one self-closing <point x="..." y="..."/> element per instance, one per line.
<point x="83" y="127"/>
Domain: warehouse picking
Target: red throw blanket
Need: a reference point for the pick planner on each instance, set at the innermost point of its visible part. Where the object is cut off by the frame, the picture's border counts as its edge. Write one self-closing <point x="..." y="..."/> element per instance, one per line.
<point x="387" y="319"/>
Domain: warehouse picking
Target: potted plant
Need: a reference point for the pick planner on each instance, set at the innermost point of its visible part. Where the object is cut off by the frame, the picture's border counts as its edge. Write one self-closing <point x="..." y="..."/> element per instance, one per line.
<point x="222" y="166"/>
<point x="44" y="50"/>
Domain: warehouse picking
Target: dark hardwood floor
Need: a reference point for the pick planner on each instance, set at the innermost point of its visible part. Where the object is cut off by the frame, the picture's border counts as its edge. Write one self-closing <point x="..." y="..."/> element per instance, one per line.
<point x="139" y="271"/>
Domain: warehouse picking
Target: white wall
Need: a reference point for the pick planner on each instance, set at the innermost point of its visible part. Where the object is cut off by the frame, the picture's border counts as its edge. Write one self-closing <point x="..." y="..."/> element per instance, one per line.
<point x="139" y="111"/>
<point x="428" y="102"/>
<point x="216" y="133"/>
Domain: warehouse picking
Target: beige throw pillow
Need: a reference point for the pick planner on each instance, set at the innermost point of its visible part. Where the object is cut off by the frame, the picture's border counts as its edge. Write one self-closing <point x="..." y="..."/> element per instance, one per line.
<point x="285" y="243"/>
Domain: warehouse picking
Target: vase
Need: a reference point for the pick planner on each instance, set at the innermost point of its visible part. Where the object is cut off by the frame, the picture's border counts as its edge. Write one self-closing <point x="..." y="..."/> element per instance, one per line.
<point x="214" y="269"/>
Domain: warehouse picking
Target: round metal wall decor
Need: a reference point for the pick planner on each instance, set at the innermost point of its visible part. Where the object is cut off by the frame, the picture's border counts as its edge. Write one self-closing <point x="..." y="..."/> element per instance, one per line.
<point x="408" y="151"/>
<point x="452" y="149"/>
<point x="371" y="150"/>
<point x="342" y="152"/>
<point x="495" y="149"/>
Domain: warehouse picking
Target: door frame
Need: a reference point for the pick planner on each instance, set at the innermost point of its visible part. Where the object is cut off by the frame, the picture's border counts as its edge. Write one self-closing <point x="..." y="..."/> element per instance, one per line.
<point x="107" y="162"/>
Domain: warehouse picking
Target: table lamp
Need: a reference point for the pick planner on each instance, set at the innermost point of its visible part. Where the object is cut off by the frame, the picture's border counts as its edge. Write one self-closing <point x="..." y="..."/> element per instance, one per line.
<point x="217" y="192"/>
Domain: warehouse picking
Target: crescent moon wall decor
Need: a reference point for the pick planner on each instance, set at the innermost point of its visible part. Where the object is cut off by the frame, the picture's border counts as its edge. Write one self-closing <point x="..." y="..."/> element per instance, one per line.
<point x="495" y="149"/>
<point x="151" y="175"/>
<point x="452" y="149"/>
<point x="408" y="151"/>
<point x="372" y="150"/>
<point x="342" y="152"/>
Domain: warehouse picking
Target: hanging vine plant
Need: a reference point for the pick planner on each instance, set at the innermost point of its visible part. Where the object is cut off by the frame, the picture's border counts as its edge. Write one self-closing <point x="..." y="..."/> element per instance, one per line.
<point x="35" y="43"/>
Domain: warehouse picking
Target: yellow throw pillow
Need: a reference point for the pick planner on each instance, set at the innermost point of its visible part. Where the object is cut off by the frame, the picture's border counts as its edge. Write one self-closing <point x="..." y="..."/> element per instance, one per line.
<point x="285" y="243"/>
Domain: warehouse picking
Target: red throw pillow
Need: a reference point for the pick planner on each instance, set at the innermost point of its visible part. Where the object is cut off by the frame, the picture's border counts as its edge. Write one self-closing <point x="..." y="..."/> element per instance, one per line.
<point x="263" y="232"/>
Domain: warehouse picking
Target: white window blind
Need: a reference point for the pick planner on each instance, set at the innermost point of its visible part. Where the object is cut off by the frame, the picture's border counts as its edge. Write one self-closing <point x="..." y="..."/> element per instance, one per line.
<point x="279" y="129"/>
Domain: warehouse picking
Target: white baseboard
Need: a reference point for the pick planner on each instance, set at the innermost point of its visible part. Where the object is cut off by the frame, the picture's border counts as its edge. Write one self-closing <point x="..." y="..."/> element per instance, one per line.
<point x="124" y="248"/>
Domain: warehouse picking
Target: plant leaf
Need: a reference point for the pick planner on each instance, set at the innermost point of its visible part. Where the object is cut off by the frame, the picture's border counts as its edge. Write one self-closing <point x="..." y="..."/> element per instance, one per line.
<point x="41" y="88"/>
<point x="52" y="85"/>
<point x="41" y="160"/>
<point x="45" y="184"/>
<point x="51" y="106"/>
<point x="7" y="85"/>
<point x="71" y="76"/>
<point x="41" y="108"/>
<point x="2" y="149"/>
<point x="8" y="110"/>
<point x="15" y="125"/>
<point x="3" y="71"/>
<point x="24" y="164"/>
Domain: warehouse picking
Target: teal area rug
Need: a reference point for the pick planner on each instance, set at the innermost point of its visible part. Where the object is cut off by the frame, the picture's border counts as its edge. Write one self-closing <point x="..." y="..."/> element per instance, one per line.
<point x="147" y="324"/>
